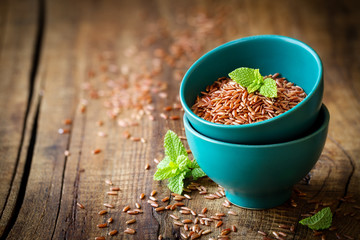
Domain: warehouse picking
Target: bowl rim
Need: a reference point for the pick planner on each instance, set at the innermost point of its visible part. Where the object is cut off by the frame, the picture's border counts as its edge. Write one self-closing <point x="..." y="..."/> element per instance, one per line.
<point x="323" y="110"/>
<point x="246" y="39"/>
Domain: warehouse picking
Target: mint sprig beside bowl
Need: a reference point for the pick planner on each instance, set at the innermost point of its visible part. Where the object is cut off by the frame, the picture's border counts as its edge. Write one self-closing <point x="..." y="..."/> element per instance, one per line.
<point x="176" y="165"/>
<point x="252" y="80"/>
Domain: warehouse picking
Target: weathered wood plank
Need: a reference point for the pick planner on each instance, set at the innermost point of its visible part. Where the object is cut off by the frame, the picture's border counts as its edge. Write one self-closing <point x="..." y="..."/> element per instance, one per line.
<point x="18" y="28"/>
<point x="119" y="32"/>
<point x="95" y="49"/>
<point x="38" y="213"/>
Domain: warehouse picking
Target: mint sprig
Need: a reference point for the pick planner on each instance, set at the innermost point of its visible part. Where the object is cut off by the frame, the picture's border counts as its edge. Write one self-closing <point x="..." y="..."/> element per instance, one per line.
<point x="252" y="80"/>
<point x="176" y="165"/>
<point x="321" y="220"/>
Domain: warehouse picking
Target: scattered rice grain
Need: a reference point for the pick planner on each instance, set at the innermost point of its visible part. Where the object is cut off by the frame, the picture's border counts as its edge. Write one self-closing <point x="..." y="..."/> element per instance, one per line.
<point x="132" y="212"/>
<point x="102" y="212"/>
<point x="178" y="223"/>
<point x="174" y="217"/>
<point x="159" y="209"/>
<point x="183" y="235"/>
<point x="187" y="221"/>
<point x="206" y="232"/>
<point x="186" y="227"/>
<point x="195" y="236"/>
<point x="130" y="231"/>
<point x="112" y="193"/>
<point x="153" y="198"/>
<point x="131" y="221"/>
<point x="126" y="208"/>
<point x="204" y="210"/>
<point x="262" y="233"/>
<point x="80" y="205"/>
<point x="108" y="182"/>
<point x="225" y="231"/>
<point x="135" y="139"/>
<point x="102" y="225"/>
<point x="187" y="196"/>
<point x="219" y="224"/>
<point x="185" y="212"/>
<point x="96" y="151"/>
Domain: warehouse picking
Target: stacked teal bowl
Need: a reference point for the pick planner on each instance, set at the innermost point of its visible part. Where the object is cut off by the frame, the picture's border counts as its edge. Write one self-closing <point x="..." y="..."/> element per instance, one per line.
<point x="271" y="54"/>
<point x="258" y="163"/>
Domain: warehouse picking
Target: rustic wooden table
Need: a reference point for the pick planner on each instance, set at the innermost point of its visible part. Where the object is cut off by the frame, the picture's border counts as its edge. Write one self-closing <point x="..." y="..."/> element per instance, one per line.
<point x="78" y="76"/>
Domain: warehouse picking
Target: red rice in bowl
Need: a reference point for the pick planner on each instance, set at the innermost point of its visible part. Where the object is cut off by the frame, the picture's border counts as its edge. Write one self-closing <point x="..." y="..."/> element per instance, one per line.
<point x="226" y="102"/>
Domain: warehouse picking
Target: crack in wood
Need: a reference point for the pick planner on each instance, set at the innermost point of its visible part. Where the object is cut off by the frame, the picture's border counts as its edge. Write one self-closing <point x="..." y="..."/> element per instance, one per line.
<point x="33" y="72"/>
<point x="31" y="146"/>
<point x="63" y="177"/>
<point x="26" y="173"/>
<point x="351" y="161"/>
<point x="76" y="183"/>
<point x="325" y="180"/>
<point x="77" y="180"/>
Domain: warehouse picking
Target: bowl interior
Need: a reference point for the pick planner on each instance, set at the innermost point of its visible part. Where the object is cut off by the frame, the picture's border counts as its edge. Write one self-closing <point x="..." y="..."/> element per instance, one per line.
<point x="294" y="60"/>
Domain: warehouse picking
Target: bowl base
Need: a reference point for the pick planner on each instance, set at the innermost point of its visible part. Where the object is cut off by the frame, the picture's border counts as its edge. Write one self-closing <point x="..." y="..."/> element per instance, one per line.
<point x="258" y="202"/>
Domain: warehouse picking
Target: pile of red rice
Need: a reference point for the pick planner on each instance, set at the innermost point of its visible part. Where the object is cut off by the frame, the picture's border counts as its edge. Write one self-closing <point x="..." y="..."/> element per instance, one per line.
<point x="226" y="102"/>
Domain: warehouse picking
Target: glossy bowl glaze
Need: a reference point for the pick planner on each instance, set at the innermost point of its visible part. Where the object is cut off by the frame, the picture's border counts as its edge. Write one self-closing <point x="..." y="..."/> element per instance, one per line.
<point x="294" y="60"/>
<point x="259" y="176"/>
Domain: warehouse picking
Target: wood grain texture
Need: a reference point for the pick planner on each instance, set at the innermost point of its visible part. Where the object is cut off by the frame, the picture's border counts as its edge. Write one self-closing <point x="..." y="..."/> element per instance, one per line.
<point x="110" y="58"/>
<point x="18" y="26"/>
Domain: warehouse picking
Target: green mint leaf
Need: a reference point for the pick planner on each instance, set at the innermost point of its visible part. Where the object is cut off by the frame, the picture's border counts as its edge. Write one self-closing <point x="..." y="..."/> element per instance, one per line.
<point x="182" y="159"/>
<point x="176" y="165"/>
<point x="164" y="162"/>
<point x="321" y="220"/>
<point x="257" y="76"/>
<point x="253" y="87"/>
<point x="188" y="174"/>
<point x="176" y="183"/>
<point x="173" y="165"/>
<point x="167" y="172"/>
<point x="194" y="164"/>
<point x="253" y="81"/>
<point x="269" y="89"/>
<point x="173" y="146"/>
<point x="183" y="162"/>
<point x="197" y="173"/>
<point x="243" y="76"/>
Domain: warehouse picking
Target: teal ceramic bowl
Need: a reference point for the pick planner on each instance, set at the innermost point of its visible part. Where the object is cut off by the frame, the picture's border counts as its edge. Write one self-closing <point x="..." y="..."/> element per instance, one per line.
<point x="293" y="59"/>
<point x="259" y="176"/>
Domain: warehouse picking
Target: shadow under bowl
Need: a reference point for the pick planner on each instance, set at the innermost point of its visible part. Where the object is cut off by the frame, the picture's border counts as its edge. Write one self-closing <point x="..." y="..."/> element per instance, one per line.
<point x="259" y="176"/>
<point x="293" y="59"/>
